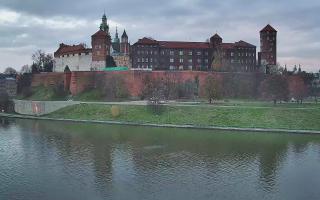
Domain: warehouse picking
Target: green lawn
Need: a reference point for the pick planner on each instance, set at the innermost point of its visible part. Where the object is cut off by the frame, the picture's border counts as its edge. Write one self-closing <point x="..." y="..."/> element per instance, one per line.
<point x="283" y="117"/>
<point x="41" y="93"/>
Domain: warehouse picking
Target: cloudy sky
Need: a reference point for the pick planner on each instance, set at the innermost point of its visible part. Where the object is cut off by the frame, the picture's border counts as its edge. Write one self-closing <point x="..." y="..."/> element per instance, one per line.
<point x="28" y="25"/>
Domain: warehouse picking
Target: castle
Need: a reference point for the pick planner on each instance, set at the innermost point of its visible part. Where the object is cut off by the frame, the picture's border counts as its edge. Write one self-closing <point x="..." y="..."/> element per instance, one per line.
<point x="80" y="58"/>
<point x="151" y="54"/>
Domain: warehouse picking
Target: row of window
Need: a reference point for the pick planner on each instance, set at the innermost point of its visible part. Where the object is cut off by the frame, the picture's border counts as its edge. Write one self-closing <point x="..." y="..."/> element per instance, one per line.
<point x="147" y="60"/>
<point x="181" y="60"/>
<point x="171" y="60"/>
<point x="243" y="61"/>
<point x="171" y="52"/>
<point x="243" y="54"/>
<point x="68" y="55"/>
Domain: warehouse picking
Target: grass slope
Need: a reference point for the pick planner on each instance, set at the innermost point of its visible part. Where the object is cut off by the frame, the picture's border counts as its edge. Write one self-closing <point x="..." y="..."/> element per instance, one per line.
<point x="244" y="117"/>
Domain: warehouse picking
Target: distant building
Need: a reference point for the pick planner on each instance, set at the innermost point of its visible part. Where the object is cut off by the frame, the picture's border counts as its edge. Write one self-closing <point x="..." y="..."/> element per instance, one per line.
<point x="150" y="54"/>
<point x="267" y="57"/>
<point x="80" y="58"/>
<point x="8" y="85"/>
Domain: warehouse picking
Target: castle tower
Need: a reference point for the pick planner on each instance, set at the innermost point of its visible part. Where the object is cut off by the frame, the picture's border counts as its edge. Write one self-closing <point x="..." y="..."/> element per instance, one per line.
<point x="124" y="46"/>
<point x="215" y="41"/>
<point x="101" y="44"/>
<point x="268" y="46"/>
<point x="116" y="42"/>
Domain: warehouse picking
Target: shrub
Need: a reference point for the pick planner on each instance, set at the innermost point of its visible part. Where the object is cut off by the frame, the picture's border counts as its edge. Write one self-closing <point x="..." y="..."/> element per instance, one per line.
<point x="115" y="111"/>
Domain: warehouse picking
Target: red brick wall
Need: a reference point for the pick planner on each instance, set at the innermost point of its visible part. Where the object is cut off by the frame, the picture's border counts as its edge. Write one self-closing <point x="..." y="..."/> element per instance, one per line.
<point x="80" y="81"/>
<point x="47" y="79"/>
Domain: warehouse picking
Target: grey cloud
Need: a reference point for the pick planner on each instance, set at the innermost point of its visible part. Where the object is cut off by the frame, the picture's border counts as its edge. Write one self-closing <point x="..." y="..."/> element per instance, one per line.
<point x="170" y="20"/>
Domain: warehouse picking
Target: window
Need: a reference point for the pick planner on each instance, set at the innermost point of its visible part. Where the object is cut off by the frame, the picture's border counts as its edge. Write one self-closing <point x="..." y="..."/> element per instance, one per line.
<point x="138" y="52"/>
<point x="199" y="53"/>
<point x="190" y="53"/>
<point x="206" y="61"/>
<point x="151" y="59"/>
<point x="171" y="53"/>
<point x="142" y="59"/>
<point x="190" y="60"/>
<point x="147" y="60"/>
<point x="162" y="52"/>
<point x="155" y="53"/>
<point x="206" y="53"/>
<point x="138" y="59"/>
<point x="232" y="54"/>
<point x="181" y="60"/>
<point x="171" y="60"/>
<point x="190" y="67"/>
<point x="199" y="60"/>
<point x="181" y="53"/>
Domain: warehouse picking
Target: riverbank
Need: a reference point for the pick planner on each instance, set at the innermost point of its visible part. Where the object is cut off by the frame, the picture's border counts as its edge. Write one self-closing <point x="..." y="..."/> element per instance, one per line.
<point x="258" y="119"/>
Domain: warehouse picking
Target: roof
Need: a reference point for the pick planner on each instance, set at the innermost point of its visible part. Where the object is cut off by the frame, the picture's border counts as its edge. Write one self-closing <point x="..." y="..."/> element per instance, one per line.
<point x="216" y="36"/>
<point x="124" y="34"/>
<point x="147" y="41"/>
<point x="242" y="43"/>
<point x="100" y="33"/>
<point x="268" y="28"/>
<point x="116" y="69"/>
<point x="227" y="45"/>
<point x="71" y="49"/>
<point x="184" y="45"/>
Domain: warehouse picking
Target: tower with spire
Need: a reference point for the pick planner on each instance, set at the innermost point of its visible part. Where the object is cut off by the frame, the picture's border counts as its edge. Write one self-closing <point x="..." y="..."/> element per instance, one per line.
<point x="101" y="45"/>
<point x="124" y="46"/>
<point x="104" y="24"/>
<point x="116" y="43"/>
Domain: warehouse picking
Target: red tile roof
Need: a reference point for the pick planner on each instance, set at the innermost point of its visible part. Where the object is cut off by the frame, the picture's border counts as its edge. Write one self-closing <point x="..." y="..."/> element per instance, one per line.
<point x="268" y="28"/>
<point x="242" y="43"/>
<point x="184" y="45"/>
<point x="227" y="45"/>
<point x="147" y="41"/>
<point x="100" y="33"/>
<point x="71" y="49"/>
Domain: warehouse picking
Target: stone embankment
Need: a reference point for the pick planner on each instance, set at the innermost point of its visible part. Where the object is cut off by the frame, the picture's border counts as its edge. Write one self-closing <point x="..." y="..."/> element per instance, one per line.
<point x="38" y="108"/>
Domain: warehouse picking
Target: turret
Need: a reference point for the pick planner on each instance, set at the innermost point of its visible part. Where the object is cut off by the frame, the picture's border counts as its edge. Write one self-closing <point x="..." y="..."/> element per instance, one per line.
<point x="215" y="41"/>
<point x="124" y="46"/>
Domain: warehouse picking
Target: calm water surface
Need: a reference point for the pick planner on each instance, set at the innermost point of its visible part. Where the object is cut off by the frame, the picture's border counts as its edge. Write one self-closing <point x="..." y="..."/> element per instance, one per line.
<point x="56" y="160"/>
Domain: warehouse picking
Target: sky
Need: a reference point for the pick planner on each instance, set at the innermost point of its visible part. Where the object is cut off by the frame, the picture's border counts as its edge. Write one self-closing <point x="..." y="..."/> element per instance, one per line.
<point x="28" y="25"/>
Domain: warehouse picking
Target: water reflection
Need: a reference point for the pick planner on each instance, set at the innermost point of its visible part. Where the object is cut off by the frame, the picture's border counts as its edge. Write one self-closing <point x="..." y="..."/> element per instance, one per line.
<point x="155" y="163"/>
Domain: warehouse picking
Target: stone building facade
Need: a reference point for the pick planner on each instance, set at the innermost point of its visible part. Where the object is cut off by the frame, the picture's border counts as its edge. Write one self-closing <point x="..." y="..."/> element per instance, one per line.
<point x="214" y="55"/>
<point x="81" y="58"/>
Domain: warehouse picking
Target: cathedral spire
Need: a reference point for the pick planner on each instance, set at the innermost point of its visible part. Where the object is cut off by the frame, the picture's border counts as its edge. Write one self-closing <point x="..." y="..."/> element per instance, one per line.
<point x="104" y="24"/>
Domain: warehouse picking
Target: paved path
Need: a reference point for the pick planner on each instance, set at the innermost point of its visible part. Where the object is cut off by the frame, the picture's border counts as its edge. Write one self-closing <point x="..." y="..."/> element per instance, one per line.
<point x="198" y="104"/>
<point x="168" y="125"/>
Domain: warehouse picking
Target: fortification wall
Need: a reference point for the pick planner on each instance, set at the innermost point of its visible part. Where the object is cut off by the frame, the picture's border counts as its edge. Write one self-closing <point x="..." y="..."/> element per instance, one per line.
<point x="47" y="79"/>
<point x="81" y="81"/>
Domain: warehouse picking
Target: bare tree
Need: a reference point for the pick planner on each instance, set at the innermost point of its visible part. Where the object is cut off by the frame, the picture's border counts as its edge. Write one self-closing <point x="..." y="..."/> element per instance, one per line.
<point x="42" y="62"/>
<point x="10" y="71"/>
<point x="275" y="87"/>
<point x="212" y="88"/>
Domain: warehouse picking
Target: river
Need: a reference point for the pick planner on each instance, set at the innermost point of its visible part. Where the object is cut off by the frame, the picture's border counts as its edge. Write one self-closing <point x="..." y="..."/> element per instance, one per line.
<point x="58" y="160"/>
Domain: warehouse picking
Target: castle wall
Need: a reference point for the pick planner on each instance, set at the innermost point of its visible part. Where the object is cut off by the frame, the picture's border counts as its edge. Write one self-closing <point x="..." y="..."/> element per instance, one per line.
<point x="81" y="81"/>
<point x="75" y="62"/>
<point x="47" y="79"/>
